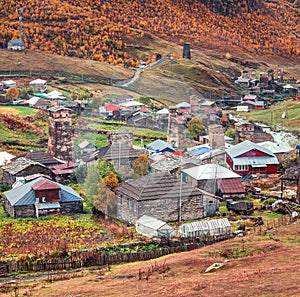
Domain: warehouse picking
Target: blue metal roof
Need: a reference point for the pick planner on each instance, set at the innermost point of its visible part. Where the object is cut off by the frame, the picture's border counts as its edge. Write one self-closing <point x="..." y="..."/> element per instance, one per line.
<point x="24" y="194"/>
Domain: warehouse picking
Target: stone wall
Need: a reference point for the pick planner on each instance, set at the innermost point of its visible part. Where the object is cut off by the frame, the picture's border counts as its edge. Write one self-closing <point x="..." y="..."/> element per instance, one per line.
<point x="71" y="207"/>
<point x="162" y="209"/>
<point x="123" y="136"/>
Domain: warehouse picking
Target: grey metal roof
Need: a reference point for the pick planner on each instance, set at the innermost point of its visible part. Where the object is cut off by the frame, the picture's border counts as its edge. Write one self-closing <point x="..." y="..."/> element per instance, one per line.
<point x="24" y="194"/>
<point x="159" y="145"/>
<point x="17" y="42"/>
<point x="210" y="171"/>
<point x="246" y="146"/>
<point x="255" y="161"/>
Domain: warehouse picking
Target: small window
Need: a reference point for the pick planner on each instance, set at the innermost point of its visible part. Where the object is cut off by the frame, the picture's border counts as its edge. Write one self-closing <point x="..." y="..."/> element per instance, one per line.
<point x="129" y="203"/>
<point x="121" y="200"/>
<point x="43" y="199"/>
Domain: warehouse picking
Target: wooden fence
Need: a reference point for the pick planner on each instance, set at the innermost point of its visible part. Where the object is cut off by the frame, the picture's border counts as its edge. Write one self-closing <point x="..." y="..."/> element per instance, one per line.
<point x="96" y="257"/>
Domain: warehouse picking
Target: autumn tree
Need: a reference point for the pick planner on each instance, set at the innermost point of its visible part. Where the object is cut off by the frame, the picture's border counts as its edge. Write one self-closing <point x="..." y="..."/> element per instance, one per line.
<point x="12" y="93"/>
<point x="100" y="175"/>
<point x="105" y="199"/>
<point x="195" y="127"/>
<point x="141" y="165"/>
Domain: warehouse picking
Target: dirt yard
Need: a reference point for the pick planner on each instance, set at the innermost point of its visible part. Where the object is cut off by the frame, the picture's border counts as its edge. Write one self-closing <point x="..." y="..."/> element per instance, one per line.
<point x="266" y="265"/>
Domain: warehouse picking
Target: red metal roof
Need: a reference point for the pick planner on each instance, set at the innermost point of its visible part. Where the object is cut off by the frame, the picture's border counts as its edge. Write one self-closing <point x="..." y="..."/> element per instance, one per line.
<point x="231" y="186"/>
<point x="111" y="107"/>
<point x="144" y="110"/>
<point x="44" y="184"/>
<point x="67" y="165"/>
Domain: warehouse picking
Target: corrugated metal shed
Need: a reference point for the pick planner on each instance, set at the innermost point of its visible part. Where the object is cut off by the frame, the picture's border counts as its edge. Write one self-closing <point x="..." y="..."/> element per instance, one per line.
<point x="205" y="228"/>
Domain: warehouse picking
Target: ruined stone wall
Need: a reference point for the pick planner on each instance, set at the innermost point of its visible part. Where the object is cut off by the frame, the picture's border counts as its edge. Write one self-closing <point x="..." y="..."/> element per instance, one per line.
<point x="123" y="136"/>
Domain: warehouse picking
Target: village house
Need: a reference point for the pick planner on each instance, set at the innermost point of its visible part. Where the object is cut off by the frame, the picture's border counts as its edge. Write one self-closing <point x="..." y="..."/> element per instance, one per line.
<point x="85" y="147"/>
<point x="16" y="45"/>
<point x="8" y="84"/>
<point x="160" y="146"/>
<point x="41" y="157"/>
<point x="163" y="197"/>
<point x="21" y="167"/>
<point x="41" y="197"/>
<point x="249" y="131"/>
<point x="215" y="179"/>
<point x="37" y="102"/>
<point x="63" y="172"/>
<point x="250" y="158"/>
<point x="39" y="85"/>
<point x="121" y="154"/>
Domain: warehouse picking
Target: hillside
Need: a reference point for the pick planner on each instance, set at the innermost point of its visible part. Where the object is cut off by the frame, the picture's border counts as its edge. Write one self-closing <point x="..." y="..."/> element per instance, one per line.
<point x="114" y="31"/>
<point x="253" y="266"/>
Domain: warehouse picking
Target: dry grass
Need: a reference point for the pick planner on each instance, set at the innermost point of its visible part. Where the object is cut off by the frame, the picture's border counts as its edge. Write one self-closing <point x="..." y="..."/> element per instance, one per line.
<point x="59" y="65"/>
<point x="263" y="266"/>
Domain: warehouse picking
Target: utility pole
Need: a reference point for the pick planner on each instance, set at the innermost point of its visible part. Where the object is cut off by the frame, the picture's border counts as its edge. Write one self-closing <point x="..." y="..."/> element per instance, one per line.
<point x="180" y="198"/>
<point x="298" y="188"/>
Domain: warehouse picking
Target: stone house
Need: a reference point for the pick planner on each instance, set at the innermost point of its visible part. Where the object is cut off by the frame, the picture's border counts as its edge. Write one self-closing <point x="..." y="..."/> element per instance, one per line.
<point x="163" y="197"/>
<point x="21" y="167"/>
<point x="85" y="147"/>
<point x="41" y="197"/>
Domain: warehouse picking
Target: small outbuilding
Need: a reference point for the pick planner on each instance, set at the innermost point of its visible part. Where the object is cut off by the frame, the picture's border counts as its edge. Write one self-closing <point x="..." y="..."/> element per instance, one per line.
<point x="16" y="45"/>
<point x="218" y="227"/>
<point x="153" y="227"/>
<point x="39" y="85"/>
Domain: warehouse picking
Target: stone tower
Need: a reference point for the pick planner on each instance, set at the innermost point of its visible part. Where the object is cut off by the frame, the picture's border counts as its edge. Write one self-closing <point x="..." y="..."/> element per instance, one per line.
<point x="216" y="136"/>
<point x="195" y="106"/>
<point x="172" y="133"/>
<point x="60" y="143"/>
<point x="186" y="50"/>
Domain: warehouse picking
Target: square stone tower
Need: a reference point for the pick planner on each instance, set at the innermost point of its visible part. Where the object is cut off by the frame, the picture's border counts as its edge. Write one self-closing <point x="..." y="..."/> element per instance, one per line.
<point x="216" y="136"/>
<point x="60" y="141"/>
<point x="195" y="106"/>
<point x="173" y="133"/>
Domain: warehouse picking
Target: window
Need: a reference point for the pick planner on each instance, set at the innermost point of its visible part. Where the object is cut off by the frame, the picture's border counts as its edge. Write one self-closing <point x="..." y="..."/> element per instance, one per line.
<point x="241" y="167"/>
<point x="121" y="200"/>
<point x="43" y="199"/>
<point x="129" y="203"/>
<point x="134" y="204"/>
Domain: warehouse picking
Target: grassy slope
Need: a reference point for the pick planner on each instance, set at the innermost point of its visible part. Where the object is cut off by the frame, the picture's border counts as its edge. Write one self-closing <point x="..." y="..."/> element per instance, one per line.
<point x="273" y="116"/>
<point x="17" y="139"/>
<point x="253" y="266"/>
